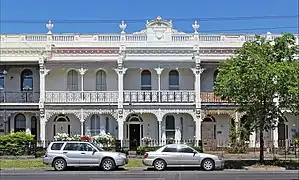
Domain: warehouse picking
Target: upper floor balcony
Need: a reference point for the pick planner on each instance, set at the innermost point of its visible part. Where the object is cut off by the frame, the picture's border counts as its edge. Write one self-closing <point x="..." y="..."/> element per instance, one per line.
<point x="19" y="97"/>
<point x="19" y="84"/>
<point x="131" y="97"/>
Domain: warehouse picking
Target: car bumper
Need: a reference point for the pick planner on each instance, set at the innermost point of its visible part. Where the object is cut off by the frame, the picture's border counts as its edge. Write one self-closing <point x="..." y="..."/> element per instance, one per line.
<point x="47" y="160"/>
<point x="219" y="164"/>
<point x="121" y="162"/>
<point x="147" y="162"/>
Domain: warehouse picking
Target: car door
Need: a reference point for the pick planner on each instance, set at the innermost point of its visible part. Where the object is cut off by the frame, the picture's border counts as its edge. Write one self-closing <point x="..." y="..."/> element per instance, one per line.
<point x="187" y="156"/>
<point x="89" y="155"/>
<point x="170" y="155"/>
<point x="72" y="153"/>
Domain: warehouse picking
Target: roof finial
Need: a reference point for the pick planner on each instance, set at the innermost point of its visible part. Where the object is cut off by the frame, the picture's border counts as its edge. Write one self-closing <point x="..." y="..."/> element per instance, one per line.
<point x="122" y="26"/>
<point x="49" y="26"/>
<point x="195" y="26"/>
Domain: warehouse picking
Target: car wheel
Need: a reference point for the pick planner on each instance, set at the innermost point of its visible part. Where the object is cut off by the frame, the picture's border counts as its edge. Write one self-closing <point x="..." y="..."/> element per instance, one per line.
<point x="108" y="164"/>
<point x="208" y="164"/>
<point x="159" y="165"/>
<point x="59" y="164"/>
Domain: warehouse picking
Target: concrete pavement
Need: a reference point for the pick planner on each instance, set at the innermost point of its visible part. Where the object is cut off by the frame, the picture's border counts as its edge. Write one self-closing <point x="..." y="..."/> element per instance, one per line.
<point x="147" y="175"/>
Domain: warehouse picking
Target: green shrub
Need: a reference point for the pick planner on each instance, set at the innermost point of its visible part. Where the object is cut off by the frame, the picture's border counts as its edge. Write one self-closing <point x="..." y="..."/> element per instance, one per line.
<point x="16" y="144"/>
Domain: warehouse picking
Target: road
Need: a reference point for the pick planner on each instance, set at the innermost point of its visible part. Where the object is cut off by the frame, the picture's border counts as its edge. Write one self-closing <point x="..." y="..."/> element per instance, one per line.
<point x="148" y="175"/>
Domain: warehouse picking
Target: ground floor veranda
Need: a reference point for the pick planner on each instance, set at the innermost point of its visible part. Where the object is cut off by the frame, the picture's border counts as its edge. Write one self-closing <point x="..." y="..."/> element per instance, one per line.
<point x="212" y="127"/>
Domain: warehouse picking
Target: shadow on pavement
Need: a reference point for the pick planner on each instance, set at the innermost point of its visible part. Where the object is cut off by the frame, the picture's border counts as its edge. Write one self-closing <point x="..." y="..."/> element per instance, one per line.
<point x="180" y="169"/>
<point x="88" y="169"/>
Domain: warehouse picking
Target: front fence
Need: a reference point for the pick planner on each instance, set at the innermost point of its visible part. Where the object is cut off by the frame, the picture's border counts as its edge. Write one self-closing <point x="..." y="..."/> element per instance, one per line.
<point x="248" y="150"/>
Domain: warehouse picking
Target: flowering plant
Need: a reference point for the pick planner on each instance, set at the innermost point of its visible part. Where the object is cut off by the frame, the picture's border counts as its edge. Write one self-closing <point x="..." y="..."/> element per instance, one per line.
<point x="85" y="138"/>
<point x="146" y="140"/>
<point x="105" y="139"/>
<point x="66" y="137"/>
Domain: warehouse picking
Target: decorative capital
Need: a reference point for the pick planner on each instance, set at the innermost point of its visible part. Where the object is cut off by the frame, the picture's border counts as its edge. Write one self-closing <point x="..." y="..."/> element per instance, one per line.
<point x="197" y="70"/>
<point x="195" y="26"/>
<point x="122" y="26"/>
<point x="82" y="71"/>
<point x="121" y="70"/>
<point x="49" y="26"/>
<point x="159" y="70"/>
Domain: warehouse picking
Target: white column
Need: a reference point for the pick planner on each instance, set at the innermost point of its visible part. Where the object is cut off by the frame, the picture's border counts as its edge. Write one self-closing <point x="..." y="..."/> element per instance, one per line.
<point x="42" y="133"/>
<point x="120" y="129"/>
<point x="120" y="74"/>
<point x="198" y="128"/>
<point x="252" y="139"/>
<point x="28" y="124"/>
<point x="160" y="131"/>
<point x="82" y="128"/>
<point x="82" y="121"/>
<point x="159" y="72"/>
<point x="82" y="71"/>
<point x="42" y="78"/>
<point x="197" y="72"/>
<point x="275" y="134"/>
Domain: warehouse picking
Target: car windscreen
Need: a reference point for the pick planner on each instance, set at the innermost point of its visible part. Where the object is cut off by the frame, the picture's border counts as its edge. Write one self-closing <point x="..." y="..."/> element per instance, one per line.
<point x="97" y="146"/>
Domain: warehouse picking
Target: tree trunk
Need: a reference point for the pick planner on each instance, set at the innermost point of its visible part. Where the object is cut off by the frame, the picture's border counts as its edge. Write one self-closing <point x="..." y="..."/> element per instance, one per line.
<point x="261" y="145"/>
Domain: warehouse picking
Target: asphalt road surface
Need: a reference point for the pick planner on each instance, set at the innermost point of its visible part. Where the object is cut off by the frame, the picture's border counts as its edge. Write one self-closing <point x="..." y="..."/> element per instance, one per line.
<point x="147" y="175"/>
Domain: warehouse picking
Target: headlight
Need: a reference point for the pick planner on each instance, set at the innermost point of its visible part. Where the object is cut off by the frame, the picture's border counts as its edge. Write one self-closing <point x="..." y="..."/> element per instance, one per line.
<point x="220" y="158"/>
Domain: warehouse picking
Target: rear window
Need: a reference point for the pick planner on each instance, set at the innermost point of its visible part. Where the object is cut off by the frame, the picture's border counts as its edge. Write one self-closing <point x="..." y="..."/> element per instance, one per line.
<point x="170" y="149"/>
<point x="56" y="146"/>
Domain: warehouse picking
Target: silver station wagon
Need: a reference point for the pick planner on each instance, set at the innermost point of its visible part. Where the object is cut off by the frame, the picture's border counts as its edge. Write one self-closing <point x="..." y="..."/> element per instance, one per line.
<point x="63" y="154"/>
<point x="179" y="155"/>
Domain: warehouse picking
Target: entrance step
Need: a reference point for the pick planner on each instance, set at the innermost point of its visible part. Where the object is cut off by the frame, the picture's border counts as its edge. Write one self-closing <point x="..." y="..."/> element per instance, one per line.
<point x="132" y="154"/>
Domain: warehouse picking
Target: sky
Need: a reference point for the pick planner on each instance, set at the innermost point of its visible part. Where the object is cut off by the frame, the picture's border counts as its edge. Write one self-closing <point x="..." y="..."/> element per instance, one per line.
<point x="40" y="11"/>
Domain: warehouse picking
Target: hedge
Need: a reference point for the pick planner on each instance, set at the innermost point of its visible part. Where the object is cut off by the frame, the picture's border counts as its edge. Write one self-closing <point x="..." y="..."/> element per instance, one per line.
<point x="16" y="144"/>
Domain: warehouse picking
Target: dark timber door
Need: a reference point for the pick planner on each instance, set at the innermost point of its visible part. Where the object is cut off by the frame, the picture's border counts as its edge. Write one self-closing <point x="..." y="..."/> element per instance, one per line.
<point x="134" y="136"/>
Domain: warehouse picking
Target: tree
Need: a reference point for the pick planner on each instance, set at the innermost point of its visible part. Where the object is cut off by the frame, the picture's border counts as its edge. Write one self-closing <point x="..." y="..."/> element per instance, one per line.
<point x="255" y="76"/>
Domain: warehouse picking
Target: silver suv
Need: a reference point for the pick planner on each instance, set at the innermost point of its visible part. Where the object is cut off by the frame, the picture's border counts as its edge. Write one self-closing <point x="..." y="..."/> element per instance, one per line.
<point x="63" y="154"/>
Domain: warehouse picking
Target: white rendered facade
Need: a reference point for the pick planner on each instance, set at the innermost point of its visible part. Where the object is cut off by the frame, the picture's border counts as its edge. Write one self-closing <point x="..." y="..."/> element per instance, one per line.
<point x="156" y="83"/>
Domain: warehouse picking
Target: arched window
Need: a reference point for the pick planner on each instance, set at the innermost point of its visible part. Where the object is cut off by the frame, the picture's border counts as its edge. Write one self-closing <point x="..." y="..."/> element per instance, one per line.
<point x="170" y="126"/>
<point x="20" y="123"/>
<point x="101" y="83"/>
<point x="2" y="80"/>
<point x="26" y="80"/>
<point x="146" y="80"/>
<point x="72" y="80"/>
<point x="95" y="125"/>
<point x="215" y="76"/>
<point x="174" y="80"/>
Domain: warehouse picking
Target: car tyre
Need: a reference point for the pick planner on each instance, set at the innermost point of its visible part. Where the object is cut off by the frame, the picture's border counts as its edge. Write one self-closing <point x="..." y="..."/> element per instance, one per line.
<point x="108" y="164"/>
<point x="59" y="164"/>
<point x="159" y="165"/>
<point x="208" y="165"/>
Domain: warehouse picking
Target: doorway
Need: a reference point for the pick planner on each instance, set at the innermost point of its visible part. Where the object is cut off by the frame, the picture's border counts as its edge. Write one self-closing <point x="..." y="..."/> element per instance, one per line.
<point x="34" y="127"/>
<point x="134" y="136"/>
<point x="134" y="131"/>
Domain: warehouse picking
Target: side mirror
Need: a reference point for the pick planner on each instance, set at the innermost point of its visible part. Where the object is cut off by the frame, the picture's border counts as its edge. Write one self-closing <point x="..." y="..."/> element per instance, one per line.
<point x="94" y="151"/>
<point x="194" y="152"/>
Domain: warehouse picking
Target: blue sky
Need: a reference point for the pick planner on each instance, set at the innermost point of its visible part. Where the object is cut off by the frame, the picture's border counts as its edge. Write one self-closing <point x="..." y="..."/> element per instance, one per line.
<point x="42" y="10"/>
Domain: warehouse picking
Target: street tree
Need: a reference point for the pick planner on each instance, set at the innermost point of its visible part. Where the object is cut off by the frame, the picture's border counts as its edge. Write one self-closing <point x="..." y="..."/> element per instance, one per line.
<point x="257" y="75"/>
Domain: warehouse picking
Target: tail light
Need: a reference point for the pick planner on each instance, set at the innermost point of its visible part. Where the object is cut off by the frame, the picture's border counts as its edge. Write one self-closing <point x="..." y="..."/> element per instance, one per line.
<point x="145" y="155"/>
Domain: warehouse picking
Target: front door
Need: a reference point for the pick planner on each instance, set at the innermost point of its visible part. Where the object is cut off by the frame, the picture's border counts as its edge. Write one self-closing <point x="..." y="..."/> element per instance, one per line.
<point x="61" y="127"/>
<point x="134" y="136"/>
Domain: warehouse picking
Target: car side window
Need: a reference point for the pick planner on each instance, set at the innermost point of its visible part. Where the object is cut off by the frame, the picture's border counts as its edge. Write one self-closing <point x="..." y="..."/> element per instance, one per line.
<point x="85" y="147"/>
<point x="170" y="149"/>
<point x="186" y="150"/>
<point x="72" y="147"/>
<point x="56" y="146"/>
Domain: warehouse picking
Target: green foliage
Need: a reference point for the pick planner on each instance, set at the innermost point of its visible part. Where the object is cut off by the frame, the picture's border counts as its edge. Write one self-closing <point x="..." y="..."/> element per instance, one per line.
<point x="238" y="138"/>
<point x="259" y="72"/>
<point x="296" y="138"/>
<point x="16" y="143"/>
